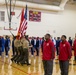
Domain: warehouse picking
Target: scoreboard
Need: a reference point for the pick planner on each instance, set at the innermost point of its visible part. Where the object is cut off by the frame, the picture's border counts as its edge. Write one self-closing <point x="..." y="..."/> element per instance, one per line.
<point x="34" y="16"/>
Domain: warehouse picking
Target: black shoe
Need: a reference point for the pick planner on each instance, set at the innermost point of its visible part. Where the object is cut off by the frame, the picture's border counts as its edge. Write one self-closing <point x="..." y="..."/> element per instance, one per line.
<point x="22" y="64"/>
<point x="12" y="60"/>
<point x="18" y="63"/>
<point x="28" y="64"/>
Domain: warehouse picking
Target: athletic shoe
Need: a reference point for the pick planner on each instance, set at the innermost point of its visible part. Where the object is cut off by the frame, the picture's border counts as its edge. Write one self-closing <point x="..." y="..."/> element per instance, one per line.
<point x="6" y="56"/>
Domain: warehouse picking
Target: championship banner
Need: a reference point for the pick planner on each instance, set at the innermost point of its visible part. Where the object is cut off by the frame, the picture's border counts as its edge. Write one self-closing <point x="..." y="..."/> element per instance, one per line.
<point x="34" y="16"/>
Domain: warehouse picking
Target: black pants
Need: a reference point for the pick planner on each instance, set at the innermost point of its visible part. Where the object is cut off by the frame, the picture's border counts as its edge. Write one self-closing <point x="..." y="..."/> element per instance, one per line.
<point x="16" y="53"/>
<point x="20" y="54"/>
<point x="25" y="56"/>
<point x="13" y="50"/>
<point x="37" y="50"/>
<point x="64" y="67"/>
<point x="75" y="58"/>
<point x="6" y="50"/>
<point x="57" y="50"/>
<point x="48" y="67"/>
<point x="32" y="50"/>
<point x="0" y="51"/>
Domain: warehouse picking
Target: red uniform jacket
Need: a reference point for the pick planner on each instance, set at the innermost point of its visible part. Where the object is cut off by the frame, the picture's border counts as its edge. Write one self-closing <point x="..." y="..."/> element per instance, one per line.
<point x="48" y="50"/>
<point x="74" y="47"/>
<point x="64" y="51"/>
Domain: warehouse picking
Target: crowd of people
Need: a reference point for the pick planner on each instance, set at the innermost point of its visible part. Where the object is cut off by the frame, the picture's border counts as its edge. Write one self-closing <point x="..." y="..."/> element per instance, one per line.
<point x="4" y="45"/>
<point x="48" y="46"/>
<point x="64" y="52"/>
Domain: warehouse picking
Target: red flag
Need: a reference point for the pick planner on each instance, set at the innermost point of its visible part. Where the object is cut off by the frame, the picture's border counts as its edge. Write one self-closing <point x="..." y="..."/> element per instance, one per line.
<point x="23" y="23"/>
<point x="22" y="18"/>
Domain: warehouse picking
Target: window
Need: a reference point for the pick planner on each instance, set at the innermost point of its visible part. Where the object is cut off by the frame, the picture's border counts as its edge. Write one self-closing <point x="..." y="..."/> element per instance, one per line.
<point x="2" y="16"/>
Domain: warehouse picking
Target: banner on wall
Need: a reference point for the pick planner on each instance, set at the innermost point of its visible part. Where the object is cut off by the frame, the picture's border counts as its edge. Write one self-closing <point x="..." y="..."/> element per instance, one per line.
<point x="12" y="13"/>
<point x="34" y="16"/>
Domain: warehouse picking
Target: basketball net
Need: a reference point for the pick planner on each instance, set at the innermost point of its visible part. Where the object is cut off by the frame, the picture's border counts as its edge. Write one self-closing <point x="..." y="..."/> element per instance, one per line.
<point x="10" y="9"/>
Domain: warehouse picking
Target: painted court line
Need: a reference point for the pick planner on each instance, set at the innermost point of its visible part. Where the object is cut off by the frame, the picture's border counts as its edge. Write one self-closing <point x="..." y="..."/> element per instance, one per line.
<point x="17" y="68"/>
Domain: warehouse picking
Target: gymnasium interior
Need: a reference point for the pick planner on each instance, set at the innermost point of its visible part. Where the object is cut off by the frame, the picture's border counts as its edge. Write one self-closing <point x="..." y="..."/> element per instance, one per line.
<point x="56" y="17"/>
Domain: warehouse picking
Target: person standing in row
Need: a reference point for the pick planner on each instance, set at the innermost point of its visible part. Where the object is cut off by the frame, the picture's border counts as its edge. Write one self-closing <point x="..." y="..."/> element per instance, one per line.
<point x="9" y="42"/>
<point x="13" y="49"/>
<point x="37" y="46"/>
<point x="0" y="46"/>
<point x="64" y="55"/>
<point x="6" y="45"/>
<point x="2" y="43"/>
<point x="54" y="41"/>
<point x="32" y="43"/>
<point x="3" y="47"/>
<point x="42" y="43"/>
<point x="58" y="44"/>
<point x="48" y="55"/>
<point x="70" y="41"/>
<point x="74" y="47"/>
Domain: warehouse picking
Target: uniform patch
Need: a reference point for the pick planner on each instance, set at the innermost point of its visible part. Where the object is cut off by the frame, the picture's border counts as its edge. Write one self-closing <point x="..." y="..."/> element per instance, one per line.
<point x="47" y="44"/>
<point x="64" y="45"/>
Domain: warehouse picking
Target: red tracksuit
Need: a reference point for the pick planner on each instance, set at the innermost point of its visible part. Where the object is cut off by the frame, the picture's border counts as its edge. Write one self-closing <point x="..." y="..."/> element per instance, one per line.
<point x="48" y="50"/>
<point x="64" y="51"/>
<point x="74" y="47"/>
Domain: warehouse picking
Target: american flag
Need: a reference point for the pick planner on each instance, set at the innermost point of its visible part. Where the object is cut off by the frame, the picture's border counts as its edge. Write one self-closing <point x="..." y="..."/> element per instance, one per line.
<point x="23" y="23"/>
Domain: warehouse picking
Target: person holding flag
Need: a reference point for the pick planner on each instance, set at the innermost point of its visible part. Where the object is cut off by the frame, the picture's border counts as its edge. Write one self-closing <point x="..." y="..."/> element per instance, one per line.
<point x="25" y="45"/>
<point x="21" y="33"/>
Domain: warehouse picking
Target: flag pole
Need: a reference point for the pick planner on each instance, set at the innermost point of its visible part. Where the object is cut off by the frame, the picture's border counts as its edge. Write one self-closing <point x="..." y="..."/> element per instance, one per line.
<point x="12" y="34"/>
<point x="10" y="16"/>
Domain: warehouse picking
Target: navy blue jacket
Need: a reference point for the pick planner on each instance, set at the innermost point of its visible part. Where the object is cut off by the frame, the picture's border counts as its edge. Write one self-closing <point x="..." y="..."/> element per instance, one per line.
<point x="0" y="42"/>
<point x="3" y="44"/>
<point x="70" y="41"/>
<point x="32" y="42"/>
<point x="6" y="43"/>
<point x="58" y="43"/>
<point x="37" y="43"/>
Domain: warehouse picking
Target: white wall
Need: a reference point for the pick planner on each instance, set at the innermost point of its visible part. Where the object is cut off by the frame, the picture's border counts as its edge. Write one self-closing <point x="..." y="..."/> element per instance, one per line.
<point x="55" y="23"/>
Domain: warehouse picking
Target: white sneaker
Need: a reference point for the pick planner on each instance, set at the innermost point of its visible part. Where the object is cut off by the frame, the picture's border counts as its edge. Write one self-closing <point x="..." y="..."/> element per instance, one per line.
<point x="6" y="56"/>
<point x="32" y="56"/>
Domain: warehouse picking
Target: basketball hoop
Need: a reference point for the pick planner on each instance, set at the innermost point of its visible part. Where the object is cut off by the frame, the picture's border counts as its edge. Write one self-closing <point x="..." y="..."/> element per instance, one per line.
<point x="10" y="29"/>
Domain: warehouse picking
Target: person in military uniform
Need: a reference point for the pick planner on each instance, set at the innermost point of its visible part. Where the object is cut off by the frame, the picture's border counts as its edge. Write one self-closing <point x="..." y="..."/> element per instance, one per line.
<point x="25" y="45"/>
<point x="20" y="49"/>
<point x="16" y="47"/>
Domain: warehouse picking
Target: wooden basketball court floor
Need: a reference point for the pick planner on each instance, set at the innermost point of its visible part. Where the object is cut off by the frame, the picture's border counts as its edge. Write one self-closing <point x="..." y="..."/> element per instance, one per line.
<point x="36" y="67"/>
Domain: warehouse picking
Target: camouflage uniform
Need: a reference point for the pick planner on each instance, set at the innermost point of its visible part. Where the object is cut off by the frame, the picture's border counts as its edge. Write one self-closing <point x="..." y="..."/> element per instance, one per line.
<point x="25" y="46"/>
<point x="19" y="49"/>
<point x="17" y="45"/>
